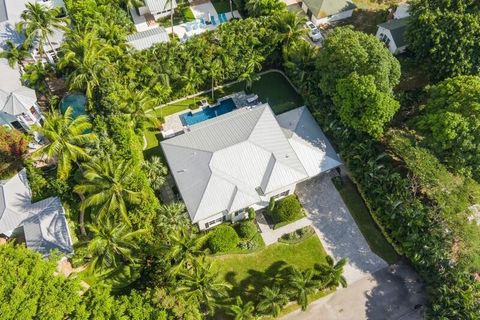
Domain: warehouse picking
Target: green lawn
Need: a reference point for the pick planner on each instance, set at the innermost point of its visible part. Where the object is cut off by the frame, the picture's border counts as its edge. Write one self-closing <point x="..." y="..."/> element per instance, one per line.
<point x="248" y="273"/>
<point x="272" y="87"/>
<point x="365" y="222"/>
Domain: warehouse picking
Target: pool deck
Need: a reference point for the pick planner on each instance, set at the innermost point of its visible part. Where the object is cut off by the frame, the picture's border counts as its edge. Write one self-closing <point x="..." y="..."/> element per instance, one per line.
<point x="173" y="123"/>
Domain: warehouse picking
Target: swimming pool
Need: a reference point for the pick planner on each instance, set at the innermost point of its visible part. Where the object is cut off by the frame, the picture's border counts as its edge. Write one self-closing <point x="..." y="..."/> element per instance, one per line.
<point x="77" y="101"/>
<point x="225" y="106"/>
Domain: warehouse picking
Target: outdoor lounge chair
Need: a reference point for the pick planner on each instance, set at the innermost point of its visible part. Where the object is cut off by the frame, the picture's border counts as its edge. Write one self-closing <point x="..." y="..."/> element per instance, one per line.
<point x="224" y="17"/>
<point x="212" y="18"/>
<point x="220" y="18"/>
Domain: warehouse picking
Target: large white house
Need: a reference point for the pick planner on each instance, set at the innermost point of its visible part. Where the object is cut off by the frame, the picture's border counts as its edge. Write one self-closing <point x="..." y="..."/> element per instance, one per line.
<point x="42" y="224"/>
<point x="327" y="11"/>
<point x="19" y="109"/>
<point x="145" y="17"/>
<point x="227" y="164"/>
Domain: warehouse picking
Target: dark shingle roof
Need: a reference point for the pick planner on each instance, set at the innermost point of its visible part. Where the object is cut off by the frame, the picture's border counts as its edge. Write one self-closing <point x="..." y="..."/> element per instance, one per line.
<point x="397" y="28"/>
<point x="325" y="8"/>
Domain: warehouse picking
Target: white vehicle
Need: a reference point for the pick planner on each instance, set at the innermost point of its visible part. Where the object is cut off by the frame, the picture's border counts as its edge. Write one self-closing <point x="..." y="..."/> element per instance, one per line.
<point x="313" y="32"/>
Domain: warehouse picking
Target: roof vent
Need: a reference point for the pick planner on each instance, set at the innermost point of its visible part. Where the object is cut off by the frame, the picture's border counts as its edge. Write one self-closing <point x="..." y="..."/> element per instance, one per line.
<point x="182" y="171"/>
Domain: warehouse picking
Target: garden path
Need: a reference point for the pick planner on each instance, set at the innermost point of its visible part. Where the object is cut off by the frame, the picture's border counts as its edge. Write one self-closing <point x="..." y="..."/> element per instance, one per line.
<point x="271" y="236"/>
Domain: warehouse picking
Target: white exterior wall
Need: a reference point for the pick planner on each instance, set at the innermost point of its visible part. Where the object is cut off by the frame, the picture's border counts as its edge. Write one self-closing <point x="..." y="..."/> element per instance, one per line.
<point x="392" y="46"/>
<point x="263" y="203"/>
<point x="334" y="17"/>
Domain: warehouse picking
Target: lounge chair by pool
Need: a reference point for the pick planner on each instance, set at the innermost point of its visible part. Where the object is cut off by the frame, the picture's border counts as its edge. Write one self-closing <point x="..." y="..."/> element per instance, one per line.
<point x="212" y="18"/>
<point x="224" y="17"/>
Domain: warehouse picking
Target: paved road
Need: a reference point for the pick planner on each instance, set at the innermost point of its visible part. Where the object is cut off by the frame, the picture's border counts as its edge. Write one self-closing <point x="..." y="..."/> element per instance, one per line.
<point x="336" y="228"/>
<point x="392" y="293"/>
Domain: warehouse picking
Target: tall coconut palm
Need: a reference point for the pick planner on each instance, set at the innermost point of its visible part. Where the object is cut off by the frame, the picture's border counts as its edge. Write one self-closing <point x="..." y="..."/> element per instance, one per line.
<point x="184" y="248"/>
<point x="156" y="172"/>
<point x="330" y="274"/>
<point x="272" y="300"/>
<point x="36" y="74"/>
<point x="15" y="54"/>
<point x="301" y="285"/>
<point x="172" y="217"/>
<point x="85" y="59"/>
<point x="107" y="186"/>
<point x="291" y="26"/>
<point x="38" y="23"/>
<point x="67" y="138"/>
<point x="202" y="285"/>
<point x="253" y="65"/>
<point x="135" y="103"/>
<point x="111" y="246"/>
<point x="241" y="310"/>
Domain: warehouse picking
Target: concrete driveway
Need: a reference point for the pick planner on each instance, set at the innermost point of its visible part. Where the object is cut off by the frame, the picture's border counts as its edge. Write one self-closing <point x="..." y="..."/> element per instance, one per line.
<point x="336" y="228"/>
<point x="393" y="293"/>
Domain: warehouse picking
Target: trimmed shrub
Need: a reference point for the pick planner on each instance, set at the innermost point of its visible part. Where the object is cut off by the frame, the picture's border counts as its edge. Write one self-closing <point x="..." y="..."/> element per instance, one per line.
<point x="287" y="209"/>
<point x="246" y="229"/>
<point x="223" y="239"/>
<point x="251" y="214"/>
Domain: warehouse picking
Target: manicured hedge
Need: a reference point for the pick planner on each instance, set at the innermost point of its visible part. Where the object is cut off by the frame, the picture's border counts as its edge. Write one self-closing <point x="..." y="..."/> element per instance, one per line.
<point x="287" y="209"/>
<point x="246" y="229"/>
<point x="223" y="239"/>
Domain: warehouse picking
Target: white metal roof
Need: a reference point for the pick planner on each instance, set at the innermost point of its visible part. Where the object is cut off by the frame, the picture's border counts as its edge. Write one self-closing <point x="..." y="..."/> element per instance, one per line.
<point x="227" y="163"/>
<point x="145" y="39"/>
<point x="44" y="222"/>
<point x="18" y="101"/>
<point x="160" y="5"/>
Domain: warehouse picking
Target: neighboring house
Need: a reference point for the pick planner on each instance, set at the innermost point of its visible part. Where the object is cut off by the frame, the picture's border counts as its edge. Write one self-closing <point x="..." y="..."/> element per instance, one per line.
<point x="145" y="39"/>
<point x="392" y="33"/>
<point x="241" y="159"/>
<point x="402" y="11"/>
<point x="145" y="17"/>
<point x="327" y="11"/>
<point x="42" y="224"/>
<point x="22" y="105"/>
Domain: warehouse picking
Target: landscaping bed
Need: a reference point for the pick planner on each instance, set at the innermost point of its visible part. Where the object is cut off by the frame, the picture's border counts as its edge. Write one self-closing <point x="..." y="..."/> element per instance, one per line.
<point x="297" y="235"/>
<point x="284" y="211"/>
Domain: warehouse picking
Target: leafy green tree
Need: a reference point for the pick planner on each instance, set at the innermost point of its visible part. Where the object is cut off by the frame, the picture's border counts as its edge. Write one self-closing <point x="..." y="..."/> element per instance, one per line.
<point x="451" y="123"/>
<point x="446" y="35"/>
<point x="13" y="146"/>
<point x="38" y="22"/>
<point x="302" y="284"/>
<point x="241" y="310"/>
<point x="30" y="289"/>
<point x="14" y="54"/>
<point x="67" y="139"/>
<point x="257" y="8"/>
<point x="112" y="246"/>
<point x="272" y="300"/>
<point x="345" y="51"/>
<point x="299" y="60"/>
<point x="107" y="186"/>
<point x="201" y="284"/>
<point x="362" y="106"/>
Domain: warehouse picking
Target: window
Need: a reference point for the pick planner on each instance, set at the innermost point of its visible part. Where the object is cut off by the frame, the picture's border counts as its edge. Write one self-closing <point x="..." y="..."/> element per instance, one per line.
<point x="280" y="195"/>
<point x="215" y="221"/>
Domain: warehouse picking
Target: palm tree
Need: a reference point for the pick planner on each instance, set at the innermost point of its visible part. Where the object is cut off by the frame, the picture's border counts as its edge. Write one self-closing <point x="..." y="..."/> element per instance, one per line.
<point x="156" y="172"/>
<point x="172" y="217"/>
<point x="215" y="69"/>
<point x="36" y="75"/>
<point x="170" y="2"/>
<point x="254" y="64"/>
<point x="201" y="285"/>
<point x="14" y="54"/>
<point x="302" y="284"/>
<point x="111" y="246"/>
<point x="86" y="58"/>
<point x="67" y="138"/>
<point x="135" y="105"/>
<point x="107" y="187"/>
<point x="291" y="26"/>
<point x="40" y="21"/>
<point x="184" y="248"/>
<point x="271" y="301"/>
<point x="241" y="310"/>
<point x="330" y="274"/>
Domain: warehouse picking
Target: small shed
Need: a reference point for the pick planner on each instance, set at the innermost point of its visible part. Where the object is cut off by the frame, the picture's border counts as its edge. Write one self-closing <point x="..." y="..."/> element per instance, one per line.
<point x="327" y="11"/>
<point x="392" y="33"/>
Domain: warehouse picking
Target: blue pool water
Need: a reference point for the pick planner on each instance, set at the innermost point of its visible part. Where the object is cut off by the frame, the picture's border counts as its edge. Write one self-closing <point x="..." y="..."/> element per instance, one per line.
<point x="77" y="101"/>
<point x="225" y="106"/>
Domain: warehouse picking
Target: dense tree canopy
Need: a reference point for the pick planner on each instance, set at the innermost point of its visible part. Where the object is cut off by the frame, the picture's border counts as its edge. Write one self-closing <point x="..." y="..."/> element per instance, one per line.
<point x="13" y="145"/>
<point x="446" y="35"/>
<point x="362" y="106"/>
<point x="451" y="123"/>
<point x="345" y="51"/>
<point x="30" y="290"/>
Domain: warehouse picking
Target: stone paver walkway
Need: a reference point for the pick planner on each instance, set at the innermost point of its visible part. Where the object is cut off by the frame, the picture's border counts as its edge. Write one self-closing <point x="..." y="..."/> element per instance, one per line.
<point x="270" y="235"/>
<point x="336" y="228"/>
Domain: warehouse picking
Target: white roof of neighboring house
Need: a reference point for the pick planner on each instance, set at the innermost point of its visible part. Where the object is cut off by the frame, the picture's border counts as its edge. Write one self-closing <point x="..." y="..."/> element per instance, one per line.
<point x="44" y="223"/>
<point x="228" y="162"/>
<point x="18" y="101"/>
<point x="146" y="39"/>
<point x="160" y="5"/>
<point x="402" y="11"/>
